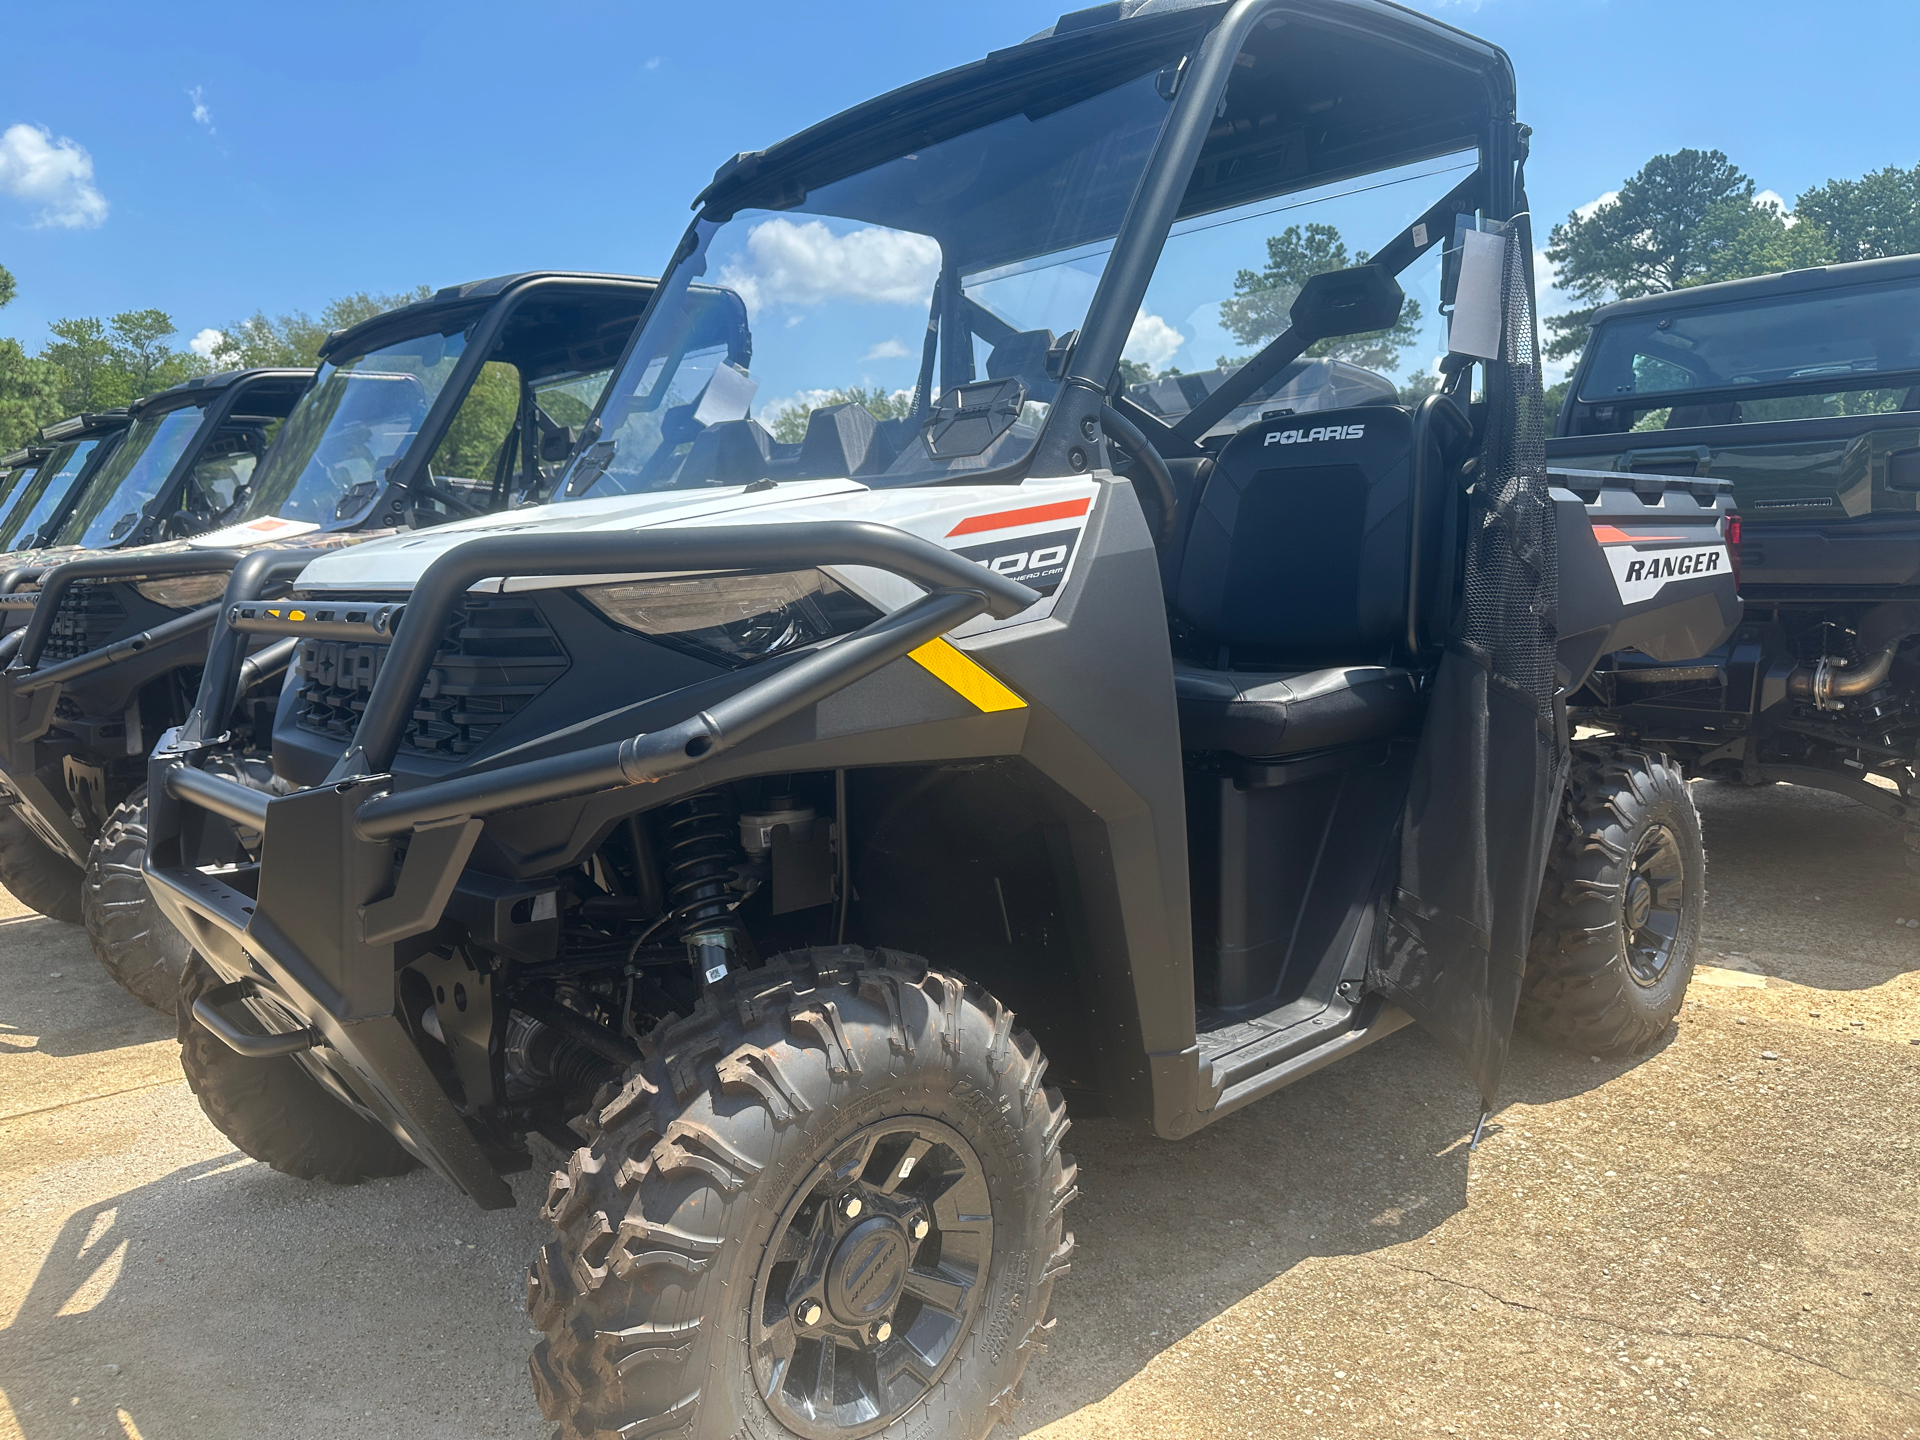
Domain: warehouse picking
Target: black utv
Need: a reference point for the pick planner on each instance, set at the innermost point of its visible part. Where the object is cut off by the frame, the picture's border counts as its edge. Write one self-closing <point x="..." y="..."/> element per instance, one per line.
<point x="71" y="453"/>
<point x="825" y="731"/>
<point x="18" y="465"/>
<point x="1802" y="391"/>
<point x="454" y="406"/>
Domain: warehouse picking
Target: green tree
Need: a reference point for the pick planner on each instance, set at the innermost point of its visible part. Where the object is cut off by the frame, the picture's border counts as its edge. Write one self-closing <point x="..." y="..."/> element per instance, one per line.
<point x="479" y="427"/>
<point x="112" y="363"/>
<point x="1654" y="235"/>
<point x="296" y="338"/>
<point x="1419" y="385"/>
<point x="789" y="422"/>
<point x="1865" y="219"/>
<point x="1742" y="238"/>
<point x="1262" y="298"/>
<point x="82" y="351"/>
<point x="29" y="388"/>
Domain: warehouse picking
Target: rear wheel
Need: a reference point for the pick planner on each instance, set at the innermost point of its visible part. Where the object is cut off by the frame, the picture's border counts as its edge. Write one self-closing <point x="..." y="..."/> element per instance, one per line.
<point x="36" y="874"/>
<point x="273" y="1110"/>
<point x="1619" y="921"/>
<point x="129" y="931"/>
<point x="828" y="1204"/>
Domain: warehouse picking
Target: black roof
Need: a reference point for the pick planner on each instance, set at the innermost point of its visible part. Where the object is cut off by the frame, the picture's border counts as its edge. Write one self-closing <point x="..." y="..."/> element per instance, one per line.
<point x="448" y="306"/>
<point x="201" y="389"/>
<point x="77" y="427"/>
<point x="1764" y="287"/>
<point x="1085" y="50"/>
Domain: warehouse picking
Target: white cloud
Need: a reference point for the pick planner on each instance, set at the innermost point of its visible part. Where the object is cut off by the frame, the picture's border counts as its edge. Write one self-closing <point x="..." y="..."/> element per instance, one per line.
<point x="806" y="263"/>
<point x="56" y="175"/>
<point x="1773" y="200"/>
<point x="1152" y="341"/>
<point x="205" y="343"/>
<point x="1585" y="212"/>
<point x="653" y="62"/>
<point x="887" y="350"/>
<point x="201" y="114"/>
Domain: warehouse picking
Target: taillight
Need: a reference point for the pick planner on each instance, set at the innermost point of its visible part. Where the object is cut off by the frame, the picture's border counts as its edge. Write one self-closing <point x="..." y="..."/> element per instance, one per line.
<point x="1730" y="530"/>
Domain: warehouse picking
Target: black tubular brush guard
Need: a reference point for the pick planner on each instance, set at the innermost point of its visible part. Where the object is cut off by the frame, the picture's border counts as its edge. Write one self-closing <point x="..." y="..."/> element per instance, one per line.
<point x="315" y="923"/>
<point x="29" y="692"/>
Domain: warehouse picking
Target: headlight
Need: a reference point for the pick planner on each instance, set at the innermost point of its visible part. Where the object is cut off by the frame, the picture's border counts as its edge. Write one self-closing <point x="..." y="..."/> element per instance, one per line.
<point x="735" y="618"/>
<point x="184" y="592"/>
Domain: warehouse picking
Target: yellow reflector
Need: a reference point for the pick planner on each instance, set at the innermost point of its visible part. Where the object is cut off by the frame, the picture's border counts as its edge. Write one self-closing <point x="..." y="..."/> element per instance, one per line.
<point x="297" y="615"/>
<point x="966" y="675"/>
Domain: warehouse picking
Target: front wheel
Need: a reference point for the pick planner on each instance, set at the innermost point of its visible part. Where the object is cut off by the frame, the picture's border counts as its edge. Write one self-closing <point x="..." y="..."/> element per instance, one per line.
<point x="129" y="931"/>
<point x="828" y="1204"/>
<point x="36" y="874"/>
<point x="273" y="1110"/>
<point x="1618" y="927"/>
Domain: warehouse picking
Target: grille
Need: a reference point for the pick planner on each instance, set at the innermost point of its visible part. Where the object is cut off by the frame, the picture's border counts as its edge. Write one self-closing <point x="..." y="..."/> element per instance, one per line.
<point x="498" y="653"/>
<point x="88" y="615"/>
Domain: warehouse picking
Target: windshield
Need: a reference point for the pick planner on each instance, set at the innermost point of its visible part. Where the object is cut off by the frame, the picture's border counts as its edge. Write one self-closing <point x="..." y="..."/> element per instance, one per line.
<point x="900" y="325"/>
<point x="1848" y="337"/>
<point x="359" y="417"/>
<point x="45" y="493"/>
<point x="130" y="478"/>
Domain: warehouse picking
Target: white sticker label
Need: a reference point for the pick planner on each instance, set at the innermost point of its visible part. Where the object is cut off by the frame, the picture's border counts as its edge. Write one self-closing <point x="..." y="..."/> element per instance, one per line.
<point x="1475" y="328"/>
<point x="1420" y="237"/>
<point x="254" y="532"/>
<point x="1642" y="574"/>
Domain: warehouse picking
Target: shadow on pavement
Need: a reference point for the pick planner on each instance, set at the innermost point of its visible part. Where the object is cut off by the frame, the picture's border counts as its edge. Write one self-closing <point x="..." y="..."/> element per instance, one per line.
<point x="200" y="1304"/>
<point x="1367" y="1154"/>
<point x="56" y="999"/>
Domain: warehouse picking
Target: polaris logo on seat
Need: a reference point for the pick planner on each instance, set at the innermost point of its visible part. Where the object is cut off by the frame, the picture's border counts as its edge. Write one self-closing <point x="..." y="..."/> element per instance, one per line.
<point x="1319" y="432"/>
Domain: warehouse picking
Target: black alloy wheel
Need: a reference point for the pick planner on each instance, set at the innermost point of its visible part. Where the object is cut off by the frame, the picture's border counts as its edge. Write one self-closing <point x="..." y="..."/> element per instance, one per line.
<point x="1618" y="925"/>
<point x="1651" y="904"/>
<point x="871" y="1278"/>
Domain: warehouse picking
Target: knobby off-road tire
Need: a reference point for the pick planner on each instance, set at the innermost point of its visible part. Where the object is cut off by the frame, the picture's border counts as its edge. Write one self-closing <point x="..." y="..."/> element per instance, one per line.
<point x="273" y="1110"/>
<point x="1618" y="928"/>
<point x="129" y="931"/>
<point x="719" y="1172"/>
<point x="35" y="873"/>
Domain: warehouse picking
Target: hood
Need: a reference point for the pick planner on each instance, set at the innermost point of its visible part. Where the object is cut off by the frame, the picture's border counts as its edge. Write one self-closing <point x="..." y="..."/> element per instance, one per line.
<point x="237" y="537"/>
<point x="397" y="563"/>
<point x="1029" y="531"/>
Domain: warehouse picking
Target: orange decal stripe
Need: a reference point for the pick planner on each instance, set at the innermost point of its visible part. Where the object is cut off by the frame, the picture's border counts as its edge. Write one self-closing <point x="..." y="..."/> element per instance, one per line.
<point x="1032" y="515"/>
<point x="1614" y="535"/>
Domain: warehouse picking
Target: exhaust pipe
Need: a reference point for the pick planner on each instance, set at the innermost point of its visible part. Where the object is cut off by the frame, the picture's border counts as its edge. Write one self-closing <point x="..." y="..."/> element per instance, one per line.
<point x="1832" y="680"/>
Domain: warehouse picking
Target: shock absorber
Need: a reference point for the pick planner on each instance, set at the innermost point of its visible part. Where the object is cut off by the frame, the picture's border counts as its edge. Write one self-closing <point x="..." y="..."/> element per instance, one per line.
<point x="702" y="868"/>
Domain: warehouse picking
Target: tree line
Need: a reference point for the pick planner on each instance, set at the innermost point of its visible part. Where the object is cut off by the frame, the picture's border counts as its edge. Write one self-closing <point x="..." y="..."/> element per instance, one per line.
<point x="91" y="364"/>
<point x="1686" y="218"/>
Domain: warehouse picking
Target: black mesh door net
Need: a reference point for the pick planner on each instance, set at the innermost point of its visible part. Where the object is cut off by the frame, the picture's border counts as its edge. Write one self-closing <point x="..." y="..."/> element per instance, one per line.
<point x="1493" y="746"/>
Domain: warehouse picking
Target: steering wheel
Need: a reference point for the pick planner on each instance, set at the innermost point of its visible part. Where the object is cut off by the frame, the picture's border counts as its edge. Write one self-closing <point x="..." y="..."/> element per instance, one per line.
<point x="1135" y="439"/>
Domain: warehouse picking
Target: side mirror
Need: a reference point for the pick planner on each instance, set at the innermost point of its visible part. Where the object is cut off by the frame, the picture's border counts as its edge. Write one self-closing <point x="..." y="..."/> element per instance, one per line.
<point x="1347" y="302"/>
<point x="1903" y="470"/>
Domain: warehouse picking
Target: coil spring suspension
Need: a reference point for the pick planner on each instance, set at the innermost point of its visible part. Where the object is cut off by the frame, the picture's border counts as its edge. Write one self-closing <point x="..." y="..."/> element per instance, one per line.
<point x="703" y="849"/>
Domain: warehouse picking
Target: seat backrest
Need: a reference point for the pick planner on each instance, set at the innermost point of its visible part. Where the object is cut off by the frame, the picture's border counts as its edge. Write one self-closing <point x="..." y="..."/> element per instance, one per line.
<point x="1296" y="552"/>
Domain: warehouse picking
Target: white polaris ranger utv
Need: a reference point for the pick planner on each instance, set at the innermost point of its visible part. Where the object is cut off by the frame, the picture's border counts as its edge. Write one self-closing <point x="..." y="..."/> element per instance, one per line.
<point x="879" y="624"/>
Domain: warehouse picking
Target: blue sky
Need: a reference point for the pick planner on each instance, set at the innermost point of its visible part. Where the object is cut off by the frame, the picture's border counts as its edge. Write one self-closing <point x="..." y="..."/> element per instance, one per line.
<point x="241" y="157"/>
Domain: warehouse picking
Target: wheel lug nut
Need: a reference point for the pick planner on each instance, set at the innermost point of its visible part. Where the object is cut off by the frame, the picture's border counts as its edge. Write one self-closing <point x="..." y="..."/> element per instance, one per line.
<point x="882" y="1331"/>
<point x="851" y="1207"/>
<point x="920" y="1228"/>
<point x="810" y="1313"/>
